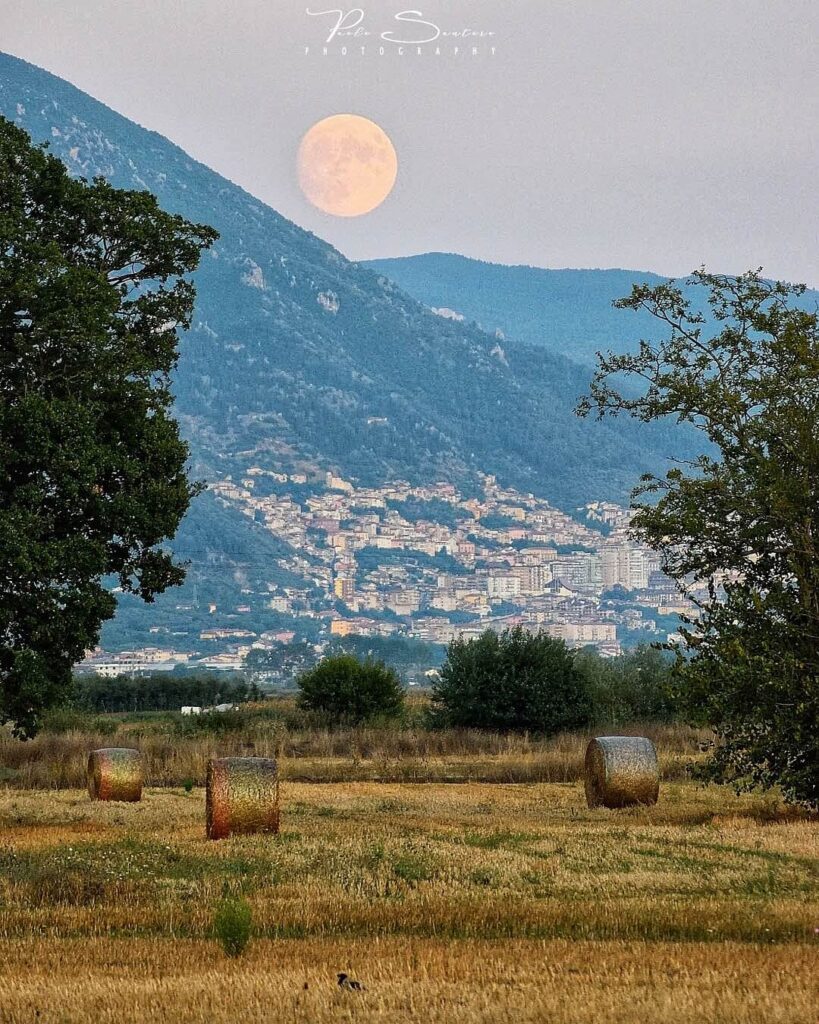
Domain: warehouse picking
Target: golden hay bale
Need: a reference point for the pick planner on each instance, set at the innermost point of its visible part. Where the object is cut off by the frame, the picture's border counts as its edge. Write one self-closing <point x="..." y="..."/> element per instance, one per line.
<point x="242" y="795"/>
<point x="115" y="773"/>
<point x="621" y="771"/>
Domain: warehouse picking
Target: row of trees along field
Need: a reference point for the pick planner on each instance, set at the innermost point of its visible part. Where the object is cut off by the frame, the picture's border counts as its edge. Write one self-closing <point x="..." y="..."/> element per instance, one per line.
<point x="517" y="681"/>
<point x="93" y="288"/>
<point x="159" y="691"/>
<point x="514" y="681"/>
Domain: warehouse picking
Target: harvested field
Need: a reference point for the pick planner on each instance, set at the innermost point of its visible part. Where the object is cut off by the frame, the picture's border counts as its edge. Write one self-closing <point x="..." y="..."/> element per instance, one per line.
<point x="460" y="902"/>
<point x="430" y="981"/>
<point x="177" y="749"/>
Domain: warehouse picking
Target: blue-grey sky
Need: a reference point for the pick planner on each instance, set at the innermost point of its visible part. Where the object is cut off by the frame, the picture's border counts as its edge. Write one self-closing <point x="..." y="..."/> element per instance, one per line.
<point x="645" y="134"/>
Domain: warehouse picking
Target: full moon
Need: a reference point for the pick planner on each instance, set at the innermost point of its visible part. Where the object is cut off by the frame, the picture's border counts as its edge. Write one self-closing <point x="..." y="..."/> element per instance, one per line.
<point x="347" y="165"/>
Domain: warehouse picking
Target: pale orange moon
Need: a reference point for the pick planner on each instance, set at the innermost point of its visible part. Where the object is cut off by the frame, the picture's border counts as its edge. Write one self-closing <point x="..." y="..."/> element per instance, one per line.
<point x="347" y="165"/>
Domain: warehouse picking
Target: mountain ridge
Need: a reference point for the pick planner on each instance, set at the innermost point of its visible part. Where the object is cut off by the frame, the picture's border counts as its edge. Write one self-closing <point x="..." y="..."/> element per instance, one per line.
<point x="309" y="348"/>
<point x="563" y="310"/>
<point x="307" y="364"/>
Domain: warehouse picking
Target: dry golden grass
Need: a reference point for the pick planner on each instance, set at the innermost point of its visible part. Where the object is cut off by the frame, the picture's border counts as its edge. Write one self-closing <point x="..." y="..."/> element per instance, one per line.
<point x="176" y="749"/>
<point x="470" y="902"/>
<point x="429" y="981"/>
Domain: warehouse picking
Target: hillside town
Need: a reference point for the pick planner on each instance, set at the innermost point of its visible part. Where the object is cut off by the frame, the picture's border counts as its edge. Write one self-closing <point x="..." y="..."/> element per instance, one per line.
<point x="428" y="563"/>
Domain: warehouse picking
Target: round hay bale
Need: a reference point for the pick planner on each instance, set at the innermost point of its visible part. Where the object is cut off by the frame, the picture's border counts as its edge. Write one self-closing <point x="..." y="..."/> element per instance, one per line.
<point x="115" y="773"/>
<point x="242" y="796"/>
<point x="621" y="771"/>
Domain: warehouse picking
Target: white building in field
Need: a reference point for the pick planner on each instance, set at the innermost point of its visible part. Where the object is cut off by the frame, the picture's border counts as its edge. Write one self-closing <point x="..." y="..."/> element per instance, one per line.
<point x="223" y="662"/>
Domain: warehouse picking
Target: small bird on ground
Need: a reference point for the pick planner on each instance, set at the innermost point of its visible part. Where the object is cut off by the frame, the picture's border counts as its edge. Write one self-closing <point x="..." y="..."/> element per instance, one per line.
<point x="345" y="981"/>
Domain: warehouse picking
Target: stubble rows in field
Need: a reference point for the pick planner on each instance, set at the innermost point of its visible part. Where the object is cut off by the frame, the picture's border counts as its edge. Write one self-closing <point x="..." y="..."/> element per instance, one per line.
<point x="461" y="902"/>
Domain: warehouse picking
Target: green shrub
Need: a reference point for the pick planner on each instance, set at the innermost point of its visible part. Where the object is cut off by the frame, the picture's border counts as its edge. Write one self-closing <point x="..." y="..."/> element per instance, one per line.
<point x="517" y="681"/>
<point x="232" y="923"/>
<point x="214" y="723"/>
<point x="635" y="687"/>
<point x="349" y="690"/>
<point x="411" y="870"/>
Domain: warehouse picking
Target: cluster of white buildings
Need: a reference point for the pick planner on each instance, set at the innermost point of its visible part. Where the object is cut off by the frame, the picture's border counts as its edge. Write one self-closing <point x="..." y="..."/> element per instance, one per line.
<point x="425" y="562"/>
<point x="126" y="663"/>
<point x="384" y="566"/>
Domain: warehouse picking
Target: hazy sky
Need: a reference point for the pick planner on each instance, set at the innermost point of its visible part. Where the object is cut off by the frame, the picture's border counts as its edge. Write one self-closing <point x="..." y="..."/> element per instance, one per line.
<point x="650" y="135"/>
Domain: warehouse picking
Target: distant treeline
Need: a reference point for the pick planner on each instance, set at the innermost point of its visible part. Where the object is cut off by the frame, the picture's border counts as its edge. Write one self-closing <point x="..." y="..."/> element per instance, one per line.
<point x="158" y="691"/>
<point x="398" y="651"/>
<point x="637" y="686"/>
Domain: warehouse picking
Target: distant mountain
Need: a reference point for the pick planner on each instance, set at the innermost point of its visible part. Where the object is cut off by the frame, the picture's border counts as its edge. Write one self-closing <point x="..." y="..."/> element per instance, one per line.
<point x="298" y="356"/>
<point x="302" y="362"/>
<point x="564" y="311"/>
<point x="568" y="312"/>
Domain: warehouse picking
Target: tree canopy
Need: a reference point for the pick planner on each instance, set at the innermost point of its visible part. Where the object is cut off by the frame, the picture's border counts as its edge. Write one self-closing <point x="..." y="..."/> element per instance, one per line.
<point x="741" y="522"/>
<point x="93" y="477"/>
<point x="514" y="681"/>
<point x="633" y="687"/>
<point x="349" y="690"/>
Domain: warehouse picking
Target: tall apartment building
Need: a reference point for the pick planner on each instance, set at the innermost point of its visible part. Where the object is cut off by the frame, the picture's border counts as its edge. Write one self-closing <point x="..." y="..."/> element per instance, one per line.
<point x="576" y="634"/>
<point x="404" y="601"/>
<point x="581" y="569"/>
<point x="533" y="578"/>
<point x="503" y="587"/>
<point x="630" y="567"/>
<point x="344" y="588"/>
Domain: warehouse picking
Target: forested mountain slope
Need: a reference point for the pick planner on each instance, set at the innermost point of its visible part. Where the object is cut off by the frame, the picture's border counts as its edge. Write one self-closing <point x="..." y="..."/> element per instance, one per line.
<point x="567" y="312"/>
<point x="299" y="357"/>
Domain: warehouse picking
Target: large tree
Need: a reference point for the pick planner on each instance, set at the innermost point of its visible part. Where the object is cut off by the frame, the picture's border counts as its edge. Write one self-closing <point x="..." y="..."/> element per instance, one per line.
<point x="92" y="468"/>
<point x="512" y="681"/>
<point x="742" y="520"/>
<point x="348" y="690"/>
